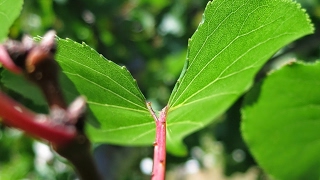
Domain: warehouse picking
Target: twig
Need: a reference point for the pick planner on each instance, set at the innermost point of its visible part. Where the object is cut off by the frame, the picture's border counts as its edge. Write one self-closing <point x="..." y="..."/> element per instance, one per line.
<point x="37" y="63"/>
<point x="16" y="115"/>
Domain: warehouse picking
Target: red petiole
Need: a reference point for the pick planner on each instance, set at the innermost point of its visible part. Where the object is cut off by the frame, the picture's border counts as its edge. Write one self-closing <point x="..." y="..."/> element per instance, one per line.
<point x="16" y="115"/>
<point x="159" y="156"/>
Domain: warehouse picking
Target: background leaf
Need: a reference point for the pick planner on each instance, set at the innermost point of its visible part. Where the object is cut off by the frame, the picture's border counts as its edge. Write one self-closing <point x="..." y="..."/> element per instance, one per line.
<point x="112" y="95"/>
<point x="29" y="90"/>
<point x="9" y="11"/>
<point x="235" y="39"/>
<point x="281" y="122"/>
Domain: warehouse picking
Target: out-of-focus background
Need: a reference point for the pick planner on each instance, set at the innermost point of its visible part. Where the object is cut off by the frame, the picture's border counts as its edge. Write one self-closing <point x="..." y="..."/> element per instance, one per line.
<point x="150" y="38"/>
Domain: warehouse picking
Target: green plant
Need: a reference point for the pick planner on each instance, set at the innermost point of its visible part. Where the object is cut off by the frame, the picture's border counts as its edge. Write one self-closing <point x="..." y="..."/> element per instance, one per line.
<point x="232" y="43"/>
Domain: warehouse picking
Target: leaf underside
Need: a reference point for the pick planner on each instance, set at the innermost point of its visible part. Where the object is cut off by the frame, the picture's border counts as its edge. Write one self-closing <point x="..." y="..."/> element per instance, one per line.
<point x="231" y="44"/>
<point x="112" y="95"/>
<point x="281" y="122"/>
<point x="8" y="13"/>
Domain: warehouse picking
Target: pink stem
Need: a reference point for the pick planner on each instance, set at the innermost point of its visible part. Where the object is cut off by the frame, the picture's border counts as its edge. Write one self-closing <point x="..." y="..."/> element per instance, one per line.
<point x="7" y="62"/>
<point x="159" y="156"/>
<point x="16" y="115"/>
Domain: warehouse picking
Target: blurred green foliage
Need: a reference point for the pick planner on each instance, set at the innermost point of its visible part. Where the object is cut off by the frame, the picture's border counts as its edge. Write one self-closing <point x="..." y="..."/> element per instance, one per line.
<point x="150" y="38"/>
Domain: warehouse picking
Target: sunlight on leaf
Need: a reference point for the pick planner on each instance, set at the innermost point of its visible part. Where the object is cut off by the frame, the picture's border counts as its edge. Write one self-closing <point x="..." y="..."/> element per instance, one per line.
<point x="231" y="44"/>
<point x="281" y="122"/>
<point x="235" y="39"/>
<point x="8" y="13"/>
<point x="112" y="95"/>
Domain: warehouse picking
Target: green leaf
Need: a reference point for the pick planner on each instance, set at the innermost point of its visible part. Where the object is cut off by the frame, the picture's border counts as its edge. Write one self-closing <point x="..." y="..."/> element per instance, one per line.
<point x="29" y="91"/>
<point x="281" y="122"/>
<point x="231" y="44"/>
<point x="112" y="95"/>
<point x="9" y="11"/>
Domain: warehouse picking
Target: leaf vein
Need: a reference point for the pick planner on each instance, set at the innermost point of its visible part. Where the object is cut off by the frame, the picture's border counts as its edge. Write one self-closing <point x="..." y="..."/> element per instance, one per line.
<point x="202" y="99"/>
<point x="101" y="87"/>
<point x="203" y="45"/>
<point x="127" y="127"/>
<point x="141" y="135"/>
<point x="115" y="106"/>
<point x="219" y="77"/>
<point x="225" y="48"/>
<point x="108" y="77"/>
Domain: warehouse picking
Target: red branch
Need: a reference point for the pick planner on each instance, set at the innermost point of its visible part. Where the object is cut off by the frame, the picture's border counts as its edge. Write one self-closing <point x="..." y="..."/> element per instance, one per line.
<point x="6" y="61"/>
<point x="16" y="115"/>
<point x="159" y="156"/>
<point x="64" y="126"/>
